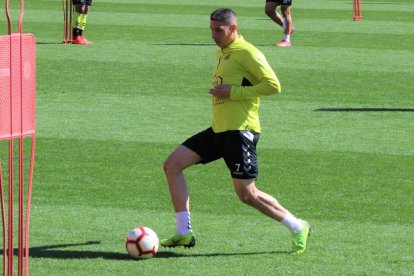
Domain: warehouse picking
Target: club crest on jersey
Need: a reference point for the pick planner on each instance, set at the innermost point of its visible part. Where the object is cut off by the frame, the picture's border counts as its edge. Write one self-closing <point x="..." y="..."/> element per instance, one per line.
<point x="217" y="80"/>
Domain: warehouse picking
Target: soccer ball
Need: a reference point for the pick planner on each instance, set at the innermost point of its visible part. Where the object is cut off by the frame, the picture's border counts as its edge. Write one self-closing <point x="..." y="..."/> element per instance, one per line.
<point x="142" y="243"/>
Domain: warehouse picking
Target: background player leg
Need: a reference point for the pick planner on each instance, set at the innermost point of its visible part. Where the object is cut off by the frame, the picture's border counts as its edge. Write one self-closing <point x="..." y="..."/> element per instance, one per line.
<point x="79" y="21"/>
<point x="287" y="26"/>
<point x="270" y="10"/>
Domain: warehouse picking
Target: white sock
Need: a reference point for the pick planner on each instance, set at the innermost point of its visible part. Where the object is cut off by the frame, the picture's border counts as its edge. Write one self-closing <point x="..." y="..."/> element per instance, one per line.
<point x="284" y="23"/>
<point x="286" y="37"/>
<point x="183" y="222"/>
<point x="292" y="223"/>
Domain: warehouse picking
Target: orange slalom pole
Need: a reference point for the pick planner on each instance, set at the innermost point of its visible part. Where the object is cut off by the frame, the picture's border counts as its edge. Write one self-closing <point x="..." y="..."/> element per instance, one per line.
<point x="29" y="199"/>
<point x="10" y="215"/>
<point x="3" y="217"/>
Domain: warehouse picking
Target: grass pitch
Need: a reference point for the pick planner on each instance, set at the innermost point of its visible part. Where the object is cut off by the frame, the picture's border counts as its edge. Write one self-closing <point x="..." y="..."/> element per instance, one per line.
<point x="336" y="147"/>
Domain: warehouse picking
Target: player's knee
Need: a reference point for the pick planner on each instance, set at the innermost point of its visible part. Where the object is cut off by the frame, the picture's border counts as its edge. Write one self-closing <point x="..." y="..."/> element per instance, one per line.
<point x="246" y="200"/>
<point x="247" y="197"/>
<point x="171" y="167"/>
<point x="168" y="166"/>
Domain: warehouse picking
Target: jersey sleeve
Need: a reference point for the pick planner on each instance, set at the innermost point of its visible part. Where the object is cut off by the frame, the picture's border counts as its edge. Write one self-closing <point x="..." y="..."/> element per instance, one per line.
<point x="266" y="82"/>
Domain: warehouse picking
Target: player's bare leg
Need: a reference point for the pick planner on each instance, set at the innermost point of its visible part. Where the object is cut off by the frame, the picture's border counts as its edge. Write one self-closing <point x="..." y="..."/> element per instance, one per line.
<point x="81" y="12"/>
<point x="288" y="26"/>
<point x="288" y="19"/>
<point x="248" y="193"/>
<point x="270" y="10"/>
<point x="181" y="158"/>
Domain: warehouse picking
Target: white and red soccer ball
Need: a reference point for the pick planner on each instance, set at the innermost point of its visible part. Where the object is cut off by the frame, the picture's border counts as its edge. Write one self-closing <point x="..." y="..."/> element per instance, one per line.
<point x="142" y="243"/>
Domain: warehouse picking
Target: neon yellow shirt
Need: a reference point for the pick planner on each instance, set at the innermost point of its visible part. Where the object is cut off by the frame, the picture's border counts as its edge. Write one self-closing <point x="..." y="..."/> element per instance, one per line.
<point x="244" y="67"/>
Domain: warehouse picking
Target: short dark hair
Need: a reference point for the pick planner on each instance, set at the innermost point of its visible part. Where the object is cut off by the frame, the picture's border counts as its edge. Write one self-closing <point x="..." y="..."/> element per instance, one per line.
<point x="224" y="15"/>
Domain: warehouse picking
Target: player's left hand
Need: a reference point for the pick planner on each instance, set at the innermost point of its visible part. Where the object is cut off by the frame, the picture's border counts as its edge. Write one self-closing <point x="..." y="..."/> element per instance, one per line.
<point x="221" y="91"/>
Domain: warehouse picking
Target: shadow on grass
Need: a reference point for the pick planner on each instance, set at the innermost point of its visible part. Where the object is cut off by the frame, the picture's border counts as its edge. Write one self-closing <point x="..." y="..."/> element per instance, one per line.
<point x="200" y="44"/>
<point x="366" y="109"/>
<point x="177" y="255"/>
<point x="185" y="44"/>
<point x="49" y="43"/>
<point x="59" y="252"/>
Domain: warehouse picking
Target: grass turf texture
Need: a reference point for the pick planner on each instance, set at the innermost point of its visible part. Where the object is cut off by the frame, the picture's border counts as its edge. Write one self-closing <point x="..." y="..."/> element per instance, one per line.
<point x="336" y="147"/>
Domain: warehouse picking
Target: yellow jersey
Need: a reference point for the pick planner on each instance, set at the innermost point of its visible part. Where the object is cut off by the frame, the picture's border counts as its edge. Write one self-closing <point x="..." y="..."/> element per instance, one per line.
<point x="244" y="67"/>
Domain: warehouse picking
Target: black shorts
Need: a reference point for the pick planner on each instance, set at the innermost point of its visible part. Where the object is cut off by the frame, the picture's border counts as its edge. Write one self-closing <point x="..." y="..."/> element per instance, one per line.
<point x="281" y="2"/>
<point x="236" y="147"/>
<point x="82" y="2"/>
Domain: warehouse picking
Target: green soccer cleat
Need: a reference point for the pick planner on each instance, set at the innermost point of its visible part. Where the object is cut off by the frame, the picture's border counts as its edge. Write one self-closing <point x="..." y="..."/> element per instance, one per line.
<point x="299" y="239"/>
<point x="186" y="240"/>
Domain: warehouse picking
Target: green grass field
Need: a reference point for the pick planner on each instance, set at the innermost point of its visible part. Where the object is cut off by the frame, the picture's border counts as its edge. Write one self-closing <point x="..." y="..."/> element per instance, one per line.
<point x="336" y="147"/>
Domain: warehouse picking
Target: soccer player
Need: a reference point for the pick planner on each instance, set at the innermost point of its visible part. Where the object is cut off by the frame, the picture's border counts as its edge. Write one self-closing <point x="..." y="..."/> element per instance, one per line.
<point x="284" y="21"/>
<point x="240" y="77"/>
<point x="79" y="21"/>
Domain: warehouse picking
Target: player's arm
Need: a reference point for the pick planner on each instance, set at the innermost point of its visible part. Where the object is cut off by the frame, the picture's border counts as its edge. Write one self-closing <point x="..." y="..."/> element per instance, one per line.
<point x="268" y="83"/>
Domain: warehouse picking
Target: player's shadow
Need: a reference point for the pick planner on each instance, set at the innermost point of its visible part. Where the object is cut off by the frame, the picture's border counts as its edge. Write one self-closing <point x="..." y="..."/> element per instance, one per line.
<point x="221" y="254"/>
<point x="61" y="252"/>
<point x="365" y="109"/>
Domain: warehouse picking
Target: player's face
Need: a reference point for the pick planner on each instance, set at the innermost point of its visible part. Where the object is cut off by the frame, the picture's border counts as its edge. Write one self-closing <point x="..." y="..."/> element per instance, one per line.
<point x="221" y="33"/>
